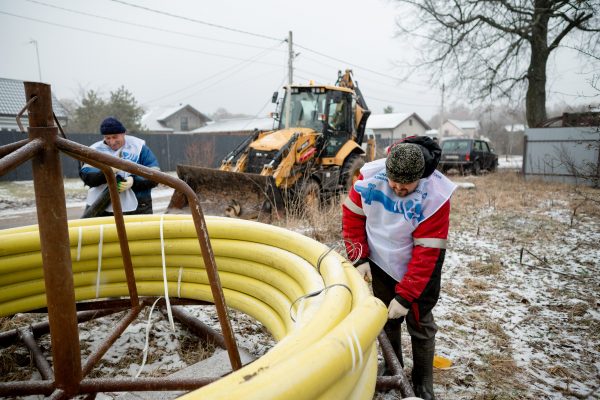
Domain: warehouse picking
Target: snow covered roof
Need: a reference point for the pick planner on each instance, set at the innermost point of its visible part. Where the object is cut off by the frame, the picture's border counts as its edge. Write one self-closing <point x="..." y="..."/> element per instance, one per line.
<point x="386" y="121"/>
<point x="467" y="124"/>
<point x="12" y="99"/>
<point x="237" y="124"/>
<point x="155" y="117"/>
<point x="514" y="128"/>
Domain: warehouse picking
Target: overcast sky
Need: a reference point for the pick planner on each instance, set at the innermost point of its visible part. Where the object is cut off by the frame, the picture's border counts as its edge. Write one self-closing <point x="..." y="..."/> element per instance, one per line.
<point x="224" y="53"/>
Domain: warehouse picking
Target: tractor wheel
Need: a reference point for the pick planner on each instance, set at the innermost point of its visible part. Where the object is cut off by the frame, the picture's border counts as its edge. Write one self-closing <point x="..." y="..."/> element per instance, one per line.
<point x="350" y="171"/>
<point x="311" y="194"/>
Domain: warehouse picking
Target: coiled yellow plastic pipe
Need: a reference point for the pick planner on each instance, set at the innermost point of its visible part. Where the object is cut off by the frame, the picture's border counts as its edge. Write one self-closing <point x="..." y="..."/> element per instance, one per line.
<point x="326" y="343"/>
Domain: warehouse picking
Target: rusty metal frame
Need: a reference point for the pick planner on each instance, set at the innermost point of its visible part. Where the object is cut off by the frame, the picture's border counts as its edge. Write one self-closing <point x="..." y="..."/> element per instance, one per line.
<point x="397" y="379"/>
<point x="67" y="376"/>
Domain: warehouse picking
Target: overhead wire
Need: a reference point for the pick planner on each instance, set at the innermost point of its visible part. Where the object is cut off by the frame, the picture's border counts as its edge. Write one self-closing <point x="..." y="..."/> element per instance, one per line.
<point x="235" y="68"/>
<point x="196" y="20"/>
<point x="214" y="25"/>
<point x="155" y="28"/>
<point x="131" y="39"/>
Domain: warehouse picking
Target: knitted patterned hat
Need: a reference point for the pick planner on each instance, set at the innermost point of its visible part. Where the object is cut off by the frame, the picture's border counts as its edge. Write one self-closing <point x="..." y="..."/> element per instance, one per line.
<point x="405" y="163"/>
<point x="111" y="126"/>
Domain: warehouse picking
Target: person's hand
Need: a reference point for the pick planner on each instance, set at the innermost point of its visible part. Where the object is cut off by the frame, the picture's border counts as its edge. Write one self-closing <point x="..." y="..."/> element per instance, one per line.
<point x="125" y="184"/>
<point x="115" y="170"/>
<point x="396" y="310"/>
<point x="364" y="270"/>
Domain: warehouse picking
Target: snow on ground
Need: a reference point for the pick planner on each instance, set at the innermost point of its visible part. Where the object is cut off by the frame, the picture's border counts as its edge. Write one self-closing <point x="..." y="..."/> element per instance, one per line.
<point x="518" y="314"/>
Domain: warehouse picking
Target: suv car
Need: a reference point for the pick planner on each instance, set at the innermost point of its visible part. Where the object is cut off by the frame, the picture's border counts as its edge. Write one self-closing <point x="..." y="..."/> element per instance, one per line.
<point x="467" y="154"/>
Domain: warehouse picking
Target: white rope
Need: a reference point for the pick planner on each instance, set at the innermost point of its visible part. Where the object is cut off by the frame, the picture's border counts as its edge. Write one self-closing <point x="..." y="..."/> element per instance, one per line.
<point x="147" y="343"/>
<point x="100" y="242"/>
<point x="179" y="282"/>
<point x="164" y="269"/>
<point x="80" y="229"/>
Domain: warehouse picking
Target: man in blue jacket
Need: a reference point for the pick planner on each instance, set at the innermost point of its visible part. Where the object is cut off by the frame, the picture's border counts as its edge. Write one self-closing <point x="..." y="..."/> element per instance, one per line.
<point x="134" y="191"/>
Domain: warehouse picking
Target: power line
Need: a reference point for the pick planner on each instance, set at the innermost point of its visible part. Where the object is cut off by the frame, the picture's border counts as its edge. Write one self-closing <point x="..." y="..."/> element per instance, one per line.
<point x="236" y="67"/>
<point x="354" y="65"/>
<point x="132" y="39"/>
<point x="142" y="25"/>
<point x="196" y="20"/>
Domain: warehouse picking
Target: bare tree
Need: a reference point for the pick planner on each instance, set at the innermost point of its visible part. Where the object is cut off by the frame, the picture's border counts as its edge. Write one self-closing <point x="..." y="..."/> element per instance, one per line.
<point x="495" y="47"/>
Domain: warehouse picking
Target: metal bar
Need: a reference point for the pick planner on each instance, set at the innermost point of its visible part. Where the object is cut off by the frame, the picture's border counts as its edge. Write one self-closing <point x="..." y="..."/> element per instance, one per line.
<point x="25" y="388"/>
<point x="142" y="384"/>
<point x="41" y="328"/>
<point x="19" y="156"/>
<point x="38" y="358"/>
<point x="398" y="380"/>
<point x="54" y="241"/>
<point x="10" y="147"/>
<point x="85" y="153"/>
<point x="118" y="330"/>
<point x="58" y="394"/>
<point x="198" y="327"/>
<point x="122" y="233"/>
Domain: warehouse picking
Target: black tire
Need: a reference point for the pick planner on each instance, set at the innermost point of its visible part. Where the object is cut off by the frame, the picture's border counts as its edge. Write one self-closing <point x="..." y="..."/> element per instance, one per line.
<point x="350" y="171"/>
<point x="476" y="168"/>
<point x="311" y="194"/>
<point x="494" y="166"/>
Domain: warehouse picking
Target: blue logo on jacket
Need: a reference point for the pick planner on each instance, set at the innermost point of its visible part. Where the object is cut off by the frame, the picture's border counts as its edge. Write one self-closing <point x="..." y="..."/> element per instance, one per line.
<point x="410" y="208"/>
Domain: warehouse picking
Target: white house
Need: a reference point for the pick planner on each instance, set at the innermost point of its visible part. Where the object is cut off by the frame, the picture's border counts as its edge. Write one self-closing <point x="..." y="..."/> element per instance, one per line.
<point x="392" y="127"/>
<point x="181" y="118"/>
<point x="458" y="128"/>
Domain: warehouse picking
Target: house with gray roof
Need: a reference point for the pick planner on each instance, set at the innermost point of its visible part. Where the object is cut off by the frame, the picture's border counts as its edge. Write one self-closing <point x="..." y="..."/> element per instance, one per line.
<point x="389" y="128"/>
<point x="12" y="101"/>
<point x="181" y="118"/>
<point x="461" y="128"/>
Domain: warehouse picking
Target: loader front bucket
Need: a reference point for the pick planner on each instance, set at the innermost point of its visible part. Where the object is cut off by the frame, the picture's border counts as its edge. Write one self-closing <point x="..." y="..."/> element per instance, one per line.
<point x="233" y="194"/>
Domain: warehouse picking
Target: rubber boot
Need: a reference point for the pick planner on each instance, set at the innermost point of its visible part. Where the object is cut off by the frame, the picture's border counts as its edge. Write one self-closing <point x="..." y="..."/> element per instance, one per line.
<point x="422" y="372"/>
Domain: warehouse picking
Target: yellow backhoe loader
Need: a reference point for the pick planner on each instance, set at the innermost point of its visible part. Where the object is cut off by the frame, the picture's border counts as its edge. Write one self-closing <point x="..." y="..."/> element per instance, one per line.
<point x="314" y="153"/>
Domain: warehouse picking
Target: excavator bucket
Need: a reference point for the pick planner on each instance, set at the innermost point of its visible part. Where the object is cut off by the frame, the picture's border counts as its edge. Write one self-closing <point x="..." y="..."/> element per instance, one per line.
<point x="232" y="194"/>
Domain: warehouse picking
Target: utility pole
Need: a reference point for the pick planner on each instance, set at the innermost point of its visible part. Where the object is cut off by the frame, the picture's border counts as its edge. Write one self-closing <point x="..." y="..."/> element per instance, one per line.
<point x="290" y="59"/>
<point x="441" y="133"/>
<point x="37" y="53"/>
<point x="288" y="94"/>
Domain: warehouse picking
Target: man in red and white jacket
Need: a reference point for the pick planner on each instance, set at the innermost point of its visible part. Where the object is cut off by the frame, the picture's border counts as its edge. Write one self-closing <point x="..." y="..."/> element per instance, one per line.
<point x="395" y="223"/>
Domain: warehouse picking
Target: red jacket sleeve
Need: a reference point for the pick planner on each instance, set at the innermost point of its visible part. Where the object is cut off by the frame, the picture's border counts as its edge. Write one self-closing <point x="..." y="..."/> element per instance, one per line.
<point x="424" y="259"/>
<point x="354" y="226"/>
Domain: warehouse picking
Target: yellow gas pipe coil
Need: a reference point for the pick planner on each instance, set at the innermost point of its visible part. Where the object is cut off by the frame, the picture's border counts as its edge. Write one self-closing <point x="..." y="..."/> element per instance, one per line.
<point x="328" y="349"/>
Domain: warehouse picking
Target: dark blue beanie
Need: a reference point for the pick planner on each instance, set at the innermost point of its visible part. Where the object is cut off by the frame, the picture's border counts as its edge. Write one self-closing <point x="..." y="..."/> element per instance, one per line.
<point x="111" y="126"/>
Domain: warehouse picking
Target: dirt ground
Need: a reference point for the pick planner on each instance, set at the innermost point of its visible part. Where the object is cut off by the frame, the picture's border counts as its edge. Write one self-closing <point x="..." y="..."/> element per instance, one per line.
<point x="519" y="312"/>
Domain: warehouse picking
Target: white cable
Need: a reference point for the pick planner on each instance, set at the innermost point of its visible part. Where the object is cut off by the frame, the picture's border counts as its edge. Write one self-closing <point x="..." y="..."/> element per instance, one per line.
<point x="358" y="348"/>
<point x="164" y="268"/>
<point x="147" y="343"/>
<point x="351" y="344"/>
<point x="179" y="282"/>
<point x="99" y="260"/>
<point x="80" y="229"/>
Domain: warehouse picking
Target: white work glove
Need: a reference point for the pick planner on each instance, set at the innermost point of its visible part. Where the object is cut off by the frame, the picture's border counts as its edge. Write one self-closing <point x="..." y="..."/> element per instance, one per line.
<point x="396" y="310"/>
<point x="115" y="170"/>
<point x="364" y="270"/>
<point x="125" y="184"/>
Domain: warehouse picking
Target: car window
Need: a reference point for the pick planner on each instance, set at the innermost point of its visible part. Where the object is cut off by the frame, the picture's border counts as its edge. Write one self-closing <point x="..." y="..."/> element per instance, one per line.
<point x="455" y="145"/>
<point x="485" y="147"/>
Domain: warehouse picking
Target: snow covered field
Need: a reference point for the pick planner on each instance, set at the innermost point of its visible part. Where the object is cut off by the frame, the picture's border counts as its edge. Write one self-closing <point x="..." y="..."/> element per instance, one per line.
<point x="519" y="311"/>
